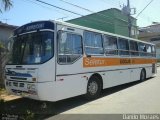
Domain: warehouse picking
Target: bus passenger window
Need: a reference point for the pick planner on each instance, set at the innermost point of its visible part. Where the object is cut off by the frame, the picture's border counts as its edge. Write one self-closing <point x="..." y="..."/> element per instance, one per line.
<point x="133" y="48"/>
<point x="149" y="50"/>
<point x="93" y="43"/>
<point x="153" y="51"/>
<point x="142" y="49"/>
<point x="123" y="47"/>
<point x="110" y="45"/>
<point x="69" y="47"/>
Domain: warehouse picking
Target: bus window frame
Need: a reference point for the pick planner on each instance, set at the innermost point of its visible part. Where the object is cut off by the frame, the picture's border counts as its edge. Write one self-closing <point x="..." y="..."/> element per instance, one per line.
<point x="134" y="50"/>
<point x="37" y="31"/>
<point x="104" y="47"/>
<point x="142" y="54"/>
<point x="59" y="37"/>
<point x="118" y="39"/>
<point x="153" y="52"/>
<point x="149" y="54"/>
<point x="102" y="42"/>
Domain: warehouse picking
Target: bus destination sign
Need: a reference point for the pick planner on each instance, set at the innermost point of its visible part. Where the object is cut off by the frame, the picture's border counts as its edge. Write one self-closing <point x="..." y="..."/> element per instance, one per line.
<point x="34" y="26"/>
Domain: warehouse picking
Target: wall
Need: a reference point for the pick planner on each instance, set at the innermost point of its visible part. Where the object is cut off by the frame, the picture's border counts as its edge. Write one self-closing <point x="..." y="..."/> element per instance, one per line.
<point x="99" y="21"/>
<point x="111" y="20"/>
<point x="5" y="33"/>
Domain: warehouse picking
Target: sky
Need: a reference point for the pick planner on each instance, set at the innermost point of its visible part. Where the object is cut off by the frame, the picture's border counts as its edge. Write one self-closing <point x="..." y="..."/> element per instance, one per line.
<point x="24" y="11"/>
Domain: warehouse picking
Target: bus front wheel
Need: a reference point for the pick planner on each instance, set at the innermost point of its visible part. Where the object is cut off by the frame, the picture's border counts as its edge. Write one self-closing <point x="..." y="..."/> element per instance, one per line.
<point x="94" y="88"/>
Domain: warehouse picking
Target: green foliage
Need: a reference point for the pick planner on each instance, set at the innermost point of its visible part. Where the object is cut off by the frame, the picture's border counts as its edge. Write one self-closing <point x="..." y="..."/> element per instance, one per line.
<point x="1" y="44"/>
<point x="5" y="4"/>
<point x="29" y="115"/>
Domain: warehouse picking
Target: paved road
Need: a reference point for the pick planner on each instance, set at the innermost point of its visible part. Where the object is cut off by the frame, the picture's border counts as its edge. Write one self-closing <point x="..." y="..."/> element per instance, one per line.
<point x="140" y="98"/>
<point x="135" y="98"/>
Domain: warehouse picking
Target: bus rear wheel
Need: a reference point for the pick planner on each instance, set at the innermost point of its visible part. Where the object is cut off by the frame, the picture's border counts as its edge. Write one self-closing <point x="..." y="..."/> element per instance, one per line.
<point x="143" y="75"/>
<point x="94" y="88"/>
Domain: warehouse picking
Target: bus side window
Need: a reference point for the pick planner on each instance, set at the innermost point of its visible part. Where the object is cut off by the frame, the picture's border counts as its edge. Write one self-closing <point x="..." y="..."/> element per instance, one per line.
<point x="93" y="43"/>
<point x="142" y="49"/>
<point x="153" y="51"/>
<point x="149" y="50"/>
<point x="110" y="45"/>
<point x="133" y="48"/>
<point x="69" y="47"/>
<point x="123" y="47"/>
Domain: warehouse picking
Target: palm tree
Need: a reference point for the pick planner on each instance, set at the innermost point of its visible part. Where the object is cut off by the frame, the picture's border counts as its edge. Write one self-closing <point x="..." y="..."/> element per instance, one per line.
<point x="5" y="4"/>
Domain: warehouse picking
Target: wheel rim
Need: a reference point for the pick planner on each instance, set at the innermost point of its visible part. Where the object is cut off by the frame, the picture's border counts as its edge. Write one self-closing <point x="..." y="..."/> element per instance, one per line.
<point x="93" y="88"/>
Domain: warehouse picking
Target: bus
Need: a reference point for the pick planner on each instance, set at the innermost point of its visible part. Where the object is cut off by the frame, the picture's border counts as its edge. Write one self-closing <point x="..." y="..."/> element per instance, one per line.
<point x="54" y="60"/>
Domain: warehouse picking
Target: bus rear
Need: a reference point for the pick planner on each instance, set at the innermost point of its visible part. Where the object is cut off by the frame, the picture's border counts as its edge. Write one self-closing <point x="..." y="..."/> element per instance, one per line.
<point x="31" y="65"/>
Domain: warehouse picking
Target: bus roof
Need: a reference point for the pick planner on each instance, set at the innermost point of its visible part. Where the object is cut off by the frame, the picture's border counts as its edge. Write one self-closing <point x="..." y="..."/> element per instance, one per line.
<point x="47" y="24"/>
<point x="99" y="31"/>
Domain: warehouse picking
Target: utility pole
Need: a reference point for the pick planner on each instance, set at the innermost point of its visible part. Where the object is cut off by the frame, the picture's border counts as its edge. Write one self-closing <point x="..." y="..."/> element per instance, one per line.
<point x="0" y="66"/>
<point x="129" y="18"/>
<point x="127" y="11"/>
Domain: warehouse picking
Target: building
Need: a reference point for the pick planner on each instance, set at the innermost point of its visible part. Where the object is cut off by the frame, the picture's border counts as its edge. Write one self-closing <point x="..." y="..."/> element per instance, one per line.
<point x="110" y="20"/>
<point x="151" y="34"/>
<point x="5" y="32"/>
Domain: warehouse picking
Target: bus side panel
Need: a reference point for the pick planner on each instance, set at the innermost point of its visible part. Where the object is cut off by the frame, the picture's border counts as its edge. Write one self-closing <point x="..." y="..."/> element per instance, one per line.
<point x="148" y="72"/>
<point x="70" y="86"/>
<point x="46" y="91"/>
<point x="135" y="74"/>
<point x="113" y="78"/>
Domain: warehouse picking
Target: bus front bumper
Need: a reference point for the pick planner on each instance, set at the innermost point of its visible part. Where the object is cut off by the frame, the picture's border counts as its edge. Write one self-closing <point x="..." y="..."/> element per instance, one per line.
<point x="23" y="89"/>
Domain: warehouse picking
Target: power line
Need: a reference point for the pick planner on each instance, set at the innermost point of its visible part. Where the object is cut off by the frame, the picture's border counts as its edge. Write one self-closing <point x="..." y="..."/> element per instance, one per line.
<point x="76" y="5"/>
<point x="37" y="4"/>
<point x="80" y="14"/>
<point x="144" y="8"/>
<point x="59" y="8"/>
<point x="86" y="9"/>
<point x="100" y="14"/>
<point x="31" y="1"/>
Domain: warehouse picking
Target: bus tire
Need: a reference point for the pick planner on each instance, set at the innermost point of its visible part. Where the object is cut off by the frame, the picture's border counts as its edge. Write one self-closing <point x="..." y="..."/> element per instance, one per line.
<point x="94" y="88"/>
<point x="143" y="75"/>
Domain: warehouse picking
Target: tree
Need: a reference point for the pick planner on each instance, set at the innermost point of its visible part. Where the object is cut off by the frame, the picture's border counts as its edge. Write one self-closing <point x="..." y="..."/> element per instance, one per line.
<point x="5" y="4"/>
<point x="3" y="58"/>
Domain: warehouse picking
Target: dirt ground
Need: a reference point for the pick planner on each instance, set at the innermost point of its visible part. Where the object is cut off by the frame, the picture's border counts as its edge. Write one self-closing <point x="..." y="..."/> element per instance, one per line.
<point x="7" y="97"/>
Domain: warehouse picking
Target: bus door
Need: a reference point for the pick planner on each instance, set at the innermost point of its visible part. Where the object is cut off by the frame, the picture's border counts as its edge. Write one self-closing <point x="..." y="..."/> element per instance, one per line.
<point x="69" y="62"/>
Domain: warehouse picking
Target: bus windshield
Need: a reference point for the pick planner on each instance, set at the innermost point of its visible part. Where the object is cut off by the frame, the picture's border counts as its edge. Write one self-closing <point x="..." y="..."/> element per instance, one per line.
<point x="32" y="48"/>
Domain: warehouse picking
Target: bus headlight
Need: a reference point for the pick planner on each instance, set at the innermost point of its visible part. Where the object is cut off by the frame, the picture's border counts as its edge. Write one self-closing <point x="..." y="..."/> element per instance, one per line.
<point x="31" y="87"/>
